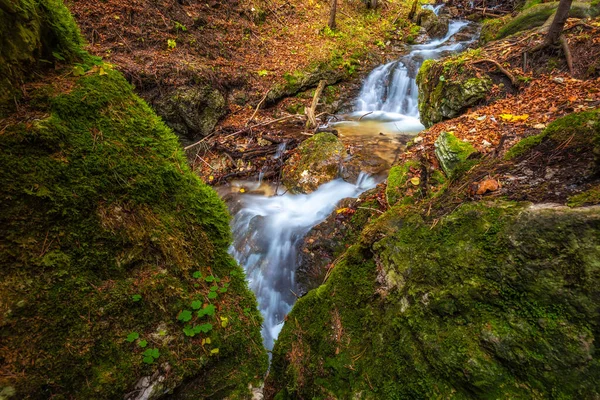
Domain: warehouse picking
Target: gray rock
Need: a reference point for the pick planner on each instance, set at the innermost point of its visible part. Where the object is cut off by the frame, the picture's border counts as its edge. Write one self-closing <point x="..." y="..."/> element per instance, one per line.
<point x="192" y="112"/>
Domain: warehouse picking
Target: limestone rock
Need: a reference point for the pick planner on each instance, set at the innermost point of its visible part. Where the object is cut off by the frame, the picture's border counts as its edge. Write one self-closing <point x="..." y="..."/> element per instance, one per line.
<point x="443" y="95"/>
<point x="451" y="152"/>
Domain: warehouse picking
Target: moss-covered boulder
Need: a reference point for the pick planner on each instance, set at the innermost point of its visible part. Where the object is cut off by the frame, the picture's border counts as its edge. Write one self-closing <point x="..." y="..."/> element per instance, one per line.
<point x="452" y="153"/>
<point x="495" y="300"/>
<point x="192" y="112"/>
<point x="31" y="31"/>
<point x="447" y="88"/>
<point x="115" y="281"/>
<point x="539" y="14"/>
<point x="435" y="26"/>
<point x="316" y="161"/>
<point x="331" y="71"/>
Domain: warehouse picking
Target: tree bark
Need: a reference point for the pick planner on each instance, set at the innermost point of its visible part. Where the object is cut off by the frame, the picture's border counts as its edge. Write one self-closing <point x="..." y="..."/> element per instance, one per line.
<point x="413" y="10"/>
<point x="332" y="12"/>
<point x="555" y="30"/>
<point x="373" y="4"/>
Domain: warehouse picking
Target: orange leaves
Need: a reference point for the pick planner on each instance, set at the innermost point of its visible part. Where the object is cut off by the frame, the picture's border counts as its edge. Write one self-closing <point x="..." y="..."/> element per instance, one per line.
<point x="485" y="186"/>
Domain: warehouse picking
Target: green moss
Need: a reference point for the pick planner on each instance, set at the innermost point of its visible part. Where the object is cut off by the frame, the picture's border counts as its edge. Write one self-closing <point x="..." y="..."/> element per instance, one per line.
<point x="576" y="129"/>
<point x="537" y="15"/>
<point x="589" y="197"/>
<point x="453" y="154"/>
<point x="105" y="207"/>
<point x="33" y="31"/>
<point x="448" y="87"/>
<point x="490" y="28"/>
<point x="490" y="302"/>
<point x="398" y="182"/>
<point x="317" y="161"/>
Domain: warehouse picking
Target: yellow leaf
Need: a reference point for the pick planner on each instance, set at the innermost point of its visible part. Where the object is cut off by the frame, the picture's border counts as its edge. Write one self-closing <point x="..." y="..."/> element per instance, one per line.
<point x="224" y="321"/>
<point x="415" y="181"/>
<point x="211" y="178"/>
<point x="341" y="210"/>
<point x="242" y="190"/>
<point x="101" y="71"/>
<point x="514" y="118"/>
<point x="214" y="351"/>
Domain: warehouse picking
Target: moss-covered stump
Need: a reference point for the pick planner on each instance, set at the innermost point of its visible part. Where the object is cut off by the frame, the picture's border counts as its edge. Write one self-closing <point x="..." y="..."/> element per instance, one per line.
<point x="192" y="112"/>
<point x="539" y="14"/>
<point x="452" y="153"/>
<point x="495" y="300"/>
<point x="449" y="87"/>
<point x="115" y="275"/>
<point x="316" y="161"/>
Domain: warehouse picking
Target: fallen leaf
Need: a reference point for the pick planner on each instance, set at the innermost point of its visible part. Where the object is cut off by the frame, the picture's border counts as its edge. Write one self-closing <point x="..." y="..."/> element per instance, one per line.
<point x="415" y="181"/>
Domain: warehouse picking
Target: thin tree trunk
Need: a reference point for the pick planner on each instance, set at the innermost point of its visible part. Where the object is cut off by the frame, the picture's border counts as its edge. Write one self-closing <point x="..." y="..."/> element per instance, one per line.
<point x="413" y="10"/>
<point x="555" y="30"/>
<point x="373" y="4"/>
<point x="332" y="12"/>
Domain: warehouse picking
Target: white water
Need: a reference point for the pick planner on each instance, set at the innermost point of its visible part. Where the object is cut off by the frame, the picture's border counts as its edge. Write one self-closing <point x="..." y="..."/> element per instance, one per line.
<point x="389" y="94"/>
<point x="267" y="231"/>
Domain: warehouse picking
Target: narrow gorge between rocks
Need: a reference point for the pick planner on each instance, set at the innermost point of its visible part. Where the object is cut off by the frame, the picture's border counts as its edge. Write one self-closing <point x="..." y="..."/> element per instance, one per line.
<point x="268" y="228"/>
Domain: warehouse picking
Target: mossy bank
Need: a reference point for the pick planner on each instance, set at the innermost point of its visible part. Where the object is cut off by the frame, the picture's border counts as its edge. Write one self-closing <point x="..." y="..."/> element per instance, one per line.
<point x="447" y="297"/>
<point x="116" y="282"/>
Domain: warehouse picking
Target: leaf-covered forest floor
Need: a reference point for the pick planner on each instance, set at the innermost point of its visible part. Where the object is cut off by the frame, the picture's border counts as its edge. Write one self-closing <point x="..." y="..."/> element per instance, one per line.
<point x="248" y="47"/>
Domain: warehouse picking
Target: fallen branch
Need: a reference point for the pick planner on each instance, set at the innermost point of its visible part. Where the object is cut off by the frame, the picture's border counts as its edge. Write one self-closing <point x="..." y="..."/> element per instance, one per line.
<point x="370" y="112"/>
<point x="310" y="113"/>
<point x="510" y="76"/>
<point x="263" y="124"/>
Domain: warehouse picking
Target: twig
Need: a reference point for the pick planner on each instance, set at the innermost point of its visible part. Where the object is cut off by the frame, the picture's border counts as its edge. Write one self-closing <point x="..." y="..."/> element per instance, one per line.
<point x="263" y="124"/>
<point x="258" y="107"/>
<point x="370" y="112"/>
<point x="372" y="209"/>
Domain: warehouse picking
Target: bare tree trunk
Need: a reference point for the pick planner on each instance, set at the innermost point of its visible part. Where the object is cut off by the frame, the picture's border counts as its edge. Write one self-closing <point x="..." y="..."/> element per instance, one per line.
<point x="413" y="10"/>
<point x="332" y="12"/>
<point x="562" y="13"/>
<point x="373" y="4"/>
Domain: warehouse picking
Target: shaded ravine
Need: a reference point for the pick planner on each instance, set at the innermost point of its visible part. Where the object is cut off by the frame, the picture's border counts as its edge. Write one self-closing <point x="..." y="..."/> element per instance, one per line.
<point x="268" y="230"/>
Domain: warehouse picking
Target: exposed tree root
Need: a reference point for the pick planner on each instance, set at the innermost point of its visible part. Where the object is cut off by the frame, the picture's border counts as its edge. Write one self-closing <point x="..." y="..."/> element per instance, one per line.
<point x="510" y="76"/>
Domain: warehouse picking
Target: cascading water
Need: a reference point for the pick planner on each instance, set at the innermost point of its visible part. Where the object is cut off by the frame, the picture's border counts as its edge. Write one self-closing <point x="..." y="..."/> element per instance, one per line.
<point x="389" y="94"/>
<point x="268" y="230"/>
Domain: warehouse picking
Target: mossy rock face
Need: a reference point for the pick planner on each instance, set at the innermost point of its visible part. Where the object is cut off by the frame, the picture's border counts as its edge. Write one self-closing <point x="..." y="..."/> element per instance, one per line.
<point x="452" y="153"/>
<point x="495" y="300"/>
<point x="435" y="26"/>
<point x="106" y="239"/>
<point x="192" y="112"/>
<point x="30" y="31"/>
<point x="490" y="28"/>
<point x="447" y="89"/>
<point x="331" y="71"/>
<point x="316" y="161"/>
<point x="539" y="14"/>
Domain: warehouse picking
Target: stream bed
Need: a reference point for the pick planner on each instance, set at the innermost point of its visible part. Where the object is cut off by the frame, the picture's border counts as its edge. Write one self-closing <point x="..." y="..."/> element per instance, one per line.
<point x="268" y="227"/>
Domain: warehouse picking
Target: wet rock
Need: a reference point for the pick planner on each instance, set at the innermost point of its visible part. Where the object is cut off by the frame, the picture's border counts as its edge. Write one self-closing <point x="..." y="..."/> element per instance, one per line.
<point x="435" y="26"/>
<point x="326" y="241"/>
<point x="316" y="161"/>
<point x="363" y="161"/>
<point x="192" y="112"/>
<point x="451" y="152"/>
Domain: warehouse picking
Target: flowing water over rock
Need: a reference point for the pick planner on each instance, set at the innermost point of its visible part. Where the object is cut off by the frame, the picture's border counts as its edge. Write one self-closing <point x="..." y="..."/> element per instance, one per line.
<point x="267" y="230"/>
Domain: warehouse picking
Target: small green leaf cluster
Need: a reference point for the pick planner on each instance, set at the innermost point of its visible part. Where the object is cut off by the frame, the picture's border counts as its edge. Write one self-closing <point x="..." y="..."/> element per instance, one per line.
<point x="150" y="354"/>
<point x="187" y="316"/>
